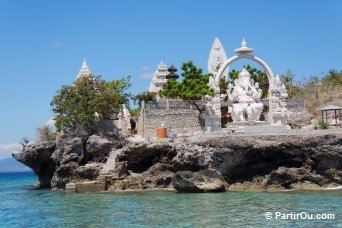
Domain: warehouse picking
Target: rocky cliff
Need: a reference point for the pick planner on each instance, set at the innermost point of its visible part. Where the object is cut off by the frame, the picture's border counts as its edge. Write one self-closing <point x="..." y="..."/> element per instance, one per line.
<point x="239" y="163"/>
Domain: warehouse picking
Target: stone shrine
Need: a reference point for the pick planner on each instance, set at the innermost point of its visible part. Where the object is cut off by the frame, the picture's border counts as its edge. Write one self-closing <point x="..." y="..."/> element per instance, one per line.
<point x="247" y="99"/>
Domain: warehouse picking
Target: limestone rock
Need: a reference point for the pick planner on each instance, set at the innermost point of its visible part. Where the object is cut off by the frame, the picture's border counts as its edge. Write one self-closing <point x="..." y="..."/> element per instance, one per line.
<point x="88" y="171"/>
<point x="201" y="181"/>
<point x="69" y="150"/>
<point x="38" y="158"/>
<point x="96" y="144"/>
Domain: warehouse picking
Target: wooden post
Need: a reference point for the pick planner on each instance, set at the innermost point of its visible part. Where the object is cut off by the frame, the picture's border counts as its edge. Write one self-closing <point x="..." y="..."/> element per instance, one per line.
<point x="326" y="116"/>
<point x="335" y="119"/>
<point x="322" y="117"/>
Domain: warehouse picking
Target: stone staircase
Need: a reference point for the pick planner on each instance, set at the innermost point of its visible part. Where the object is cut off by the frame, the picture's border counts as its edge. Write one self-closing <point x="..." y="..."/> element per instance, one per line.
<point x="110" y="164"/>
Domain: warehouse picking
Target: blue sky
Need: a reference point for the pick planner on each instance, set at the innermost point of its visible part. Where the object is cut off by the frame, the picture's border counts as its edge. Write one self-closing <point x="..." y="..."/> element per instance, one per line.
<point x="43" y="43"/>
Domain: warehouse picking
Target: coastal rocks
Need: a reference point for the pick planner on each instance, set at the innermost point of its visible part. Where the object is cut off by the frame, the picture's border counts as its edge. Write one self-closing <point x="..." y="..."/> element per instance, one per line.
<point x="286" y="176"/>
<point x="38" y="158"/>
<point x="69" y="150"/>
<point x="88" y="172"/>
<point x="201" y="181"/>
<point x="98" y="147"/>
<point x="253" y="163"/>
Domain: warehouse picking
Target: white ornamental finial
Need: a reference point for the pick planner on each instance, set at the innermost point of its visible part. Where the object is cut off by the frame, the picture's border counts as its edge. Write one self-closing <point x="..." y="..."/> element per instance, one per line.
<point x="243" y="49"/>
<point x="243" y="44"/>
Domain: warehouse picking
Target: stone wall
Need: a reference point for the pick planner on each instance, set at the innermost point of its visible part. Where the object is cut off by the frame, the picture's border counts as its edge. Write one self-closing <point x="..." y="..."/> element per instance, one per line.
<point x="179" y="117"/>
<point x="297" y="113"/>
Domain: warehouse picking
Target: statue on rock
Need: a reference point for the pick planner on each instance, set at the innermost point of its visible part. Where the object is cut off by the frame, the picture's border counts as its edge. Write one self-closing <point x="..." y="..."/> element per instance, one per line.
<point x="245" y="95"/>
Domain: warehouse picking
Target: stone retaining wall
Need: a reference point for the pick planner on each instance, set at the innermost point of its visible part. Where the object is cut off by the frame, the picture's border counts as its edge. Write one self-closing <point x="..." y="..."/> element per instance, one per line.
<point x="179" y="117"/>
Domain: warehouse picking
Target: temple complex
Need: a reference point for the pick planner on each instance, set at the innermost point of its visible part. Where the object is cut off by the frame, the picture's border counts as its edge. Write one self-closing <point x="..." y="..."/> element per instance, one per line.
<point x="241" y="109"/>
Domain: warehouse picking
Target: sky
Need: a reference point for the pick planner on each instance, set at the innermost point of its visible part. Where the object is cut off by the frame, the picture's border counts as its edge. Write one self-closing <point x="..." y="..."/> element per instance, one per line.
<point x="43" y="43"/>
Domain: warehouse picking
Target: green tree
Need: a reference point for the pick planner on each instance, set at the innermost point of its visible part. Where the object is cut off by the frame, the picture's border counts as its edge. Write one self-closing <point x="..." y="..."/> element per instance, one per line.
<point x="138" y="99"/>
<point x="192" y="88"/>
<point x="75" y="105"/>
<point x="257" y="76"/>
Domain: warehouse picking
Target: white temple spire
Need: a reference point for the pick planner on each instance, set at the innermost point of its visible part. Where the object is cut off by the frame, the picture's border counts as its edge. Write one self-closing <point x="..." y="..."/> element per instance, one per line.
<point x="84" y="71"/>
<point x="159" y="78"/>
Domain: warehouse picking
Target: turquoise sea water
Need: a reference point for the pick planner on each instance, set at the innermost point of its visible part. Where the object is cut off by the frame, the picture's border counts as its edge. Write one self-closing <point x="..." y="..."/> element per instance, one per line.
<point x="23" y="206"/>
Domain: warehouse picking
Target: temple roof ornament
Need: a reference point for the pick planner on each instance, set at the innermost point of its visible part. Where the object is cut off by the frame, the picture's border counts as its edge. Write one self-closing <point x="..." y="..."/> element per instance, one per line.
<point x="84" y="71"/>
<point x="172" y="73"/>
<point x="243" y="49"/>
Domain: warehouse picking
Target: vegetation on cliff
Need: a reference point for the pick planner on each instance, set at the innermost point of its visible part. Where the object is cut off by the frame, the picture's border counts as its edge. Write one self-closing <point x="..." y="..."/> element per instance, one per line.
<point x="87" y="100"/>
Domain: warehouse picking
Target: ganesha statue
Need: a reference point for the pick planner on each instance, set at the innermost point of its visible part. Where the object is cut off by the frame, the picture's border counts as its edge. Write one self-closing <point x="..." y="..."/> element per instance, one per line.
<point x="245" y="96"/>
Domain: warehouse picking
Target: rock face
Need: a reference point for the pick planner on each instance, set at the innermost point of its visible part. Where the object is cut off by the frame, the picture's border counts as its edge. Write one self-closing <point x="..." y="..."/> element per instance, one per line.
<point x="236" y="163"/>
<point x="201" y="181"/>
<point x="38" y="158"/>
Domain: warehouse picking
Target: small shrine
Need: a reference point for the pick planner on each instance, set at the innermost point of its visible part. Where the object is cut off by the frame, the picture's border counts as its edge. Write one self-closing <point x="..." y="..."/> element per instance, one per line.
<point x="244" y="95"/>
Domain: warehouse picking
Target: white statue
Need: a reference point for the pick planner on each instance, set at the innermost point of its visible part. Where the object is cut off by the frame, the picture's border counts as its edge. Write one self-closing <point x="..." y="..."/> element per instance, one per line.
<point x="245" y="95"/>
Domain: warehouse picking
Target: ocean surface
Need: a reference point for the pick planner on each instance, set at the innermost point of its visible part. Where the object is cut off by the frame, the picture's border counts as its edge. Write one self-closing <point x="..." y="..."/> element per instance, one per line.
<point x="23" y="206"/>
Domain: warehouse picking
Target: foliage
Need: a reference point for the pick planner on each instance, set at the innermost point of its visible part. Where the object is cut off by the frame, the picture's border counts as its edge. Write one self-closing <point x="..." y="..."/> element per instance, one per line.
<point x="77" y="104"/>
<point x="138" y="99"/>
<point x="223" y="86"/>
<point x="257" y="76"/>
<point x="288" y="80"/>
<point x="46" y="133"/>
<point x="25" y="141"/>
<point x="192" y="88"/>
<point x="321" y="126"/>
<point x="144" y="97"/>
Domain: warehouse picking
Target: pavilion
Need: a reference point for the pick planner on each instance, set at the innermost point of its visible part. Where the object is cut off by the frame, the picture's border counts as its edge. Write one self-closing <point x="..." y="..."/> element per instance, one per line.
<point x="329" y="108"/>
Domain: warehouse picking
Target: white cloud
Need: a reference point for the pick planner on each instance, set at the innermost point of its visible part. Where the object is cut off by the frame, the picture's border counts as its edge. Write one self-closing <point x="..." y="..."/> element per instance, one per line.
<point x="146" y="75"/>
<point x="57" y="44"/>
<point x="145" y="68"/>
<point x="7" y="149"/>
<point x="51" y="122"/>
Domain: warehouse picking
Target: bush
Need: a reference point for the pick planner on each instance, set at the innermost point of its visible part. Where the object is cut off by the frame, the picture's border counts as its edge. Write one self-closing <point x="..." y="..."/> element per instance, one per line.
<point x="45" y="133"/>
<point x="321" y="126"/>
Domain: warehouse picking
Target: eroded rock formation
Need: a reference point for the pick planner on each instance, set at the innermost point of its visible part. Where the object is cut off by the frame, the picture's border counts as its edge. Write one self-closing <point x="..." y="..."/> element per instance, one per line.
<point x="261" y="163"/>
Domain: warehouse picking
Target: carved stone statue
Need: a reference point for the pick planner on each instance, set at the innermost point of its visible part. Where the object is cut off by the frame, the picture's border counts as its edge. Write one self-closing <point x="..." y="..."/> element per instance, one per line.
<point x="245" y="95"/>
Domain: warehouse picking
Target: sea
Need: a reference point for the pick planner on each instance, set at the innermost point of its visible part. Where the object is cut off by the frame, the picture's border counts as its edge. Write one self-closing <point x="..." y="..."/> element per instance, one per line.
<point x="21" y="205"/>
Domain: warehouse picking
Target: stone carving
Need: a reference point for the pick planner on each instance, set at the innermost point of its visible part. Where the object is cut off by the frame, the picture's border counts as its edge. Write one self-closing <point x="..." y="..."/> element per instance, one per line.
<point x="217" y="57"/>
<point x="124" y="121"/>
<point x="212" y="84"/>
<point x="245" y="94"/>
<point x="212" y="113"/>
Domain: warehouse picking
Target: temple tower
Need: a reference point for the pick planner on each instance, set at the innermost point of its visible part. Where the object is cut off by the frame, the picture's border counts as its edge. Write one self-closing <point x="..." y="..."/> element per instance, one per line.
<point x="84" y="71"/>
<point x="159" y="78"/>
